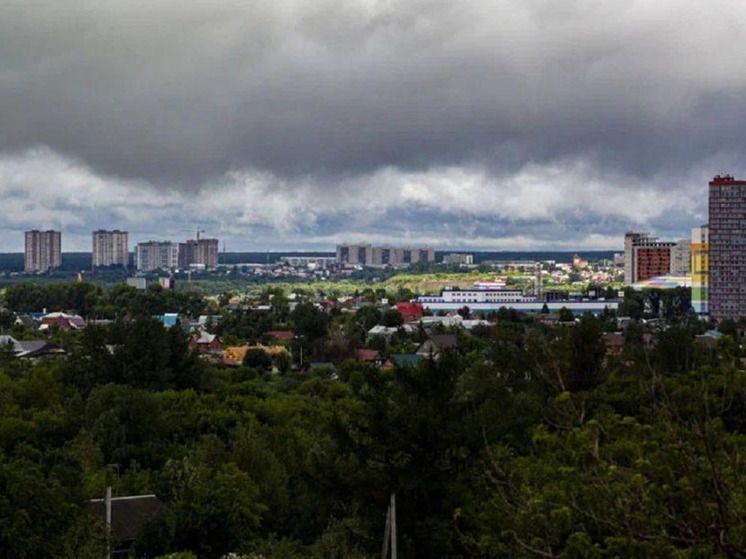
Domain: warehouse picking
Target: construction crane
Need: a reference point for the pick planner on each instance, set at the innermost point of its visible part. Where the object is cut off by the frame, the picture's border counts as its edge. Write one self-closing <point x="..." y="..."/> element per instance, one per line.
<point x="196" y="230"/>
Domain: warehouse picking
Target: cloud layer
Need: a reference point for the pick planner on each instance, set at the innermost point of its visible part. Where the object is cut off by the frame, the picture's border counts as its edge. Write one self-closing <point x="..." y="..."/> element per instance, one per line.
<point x="502" y="124"/>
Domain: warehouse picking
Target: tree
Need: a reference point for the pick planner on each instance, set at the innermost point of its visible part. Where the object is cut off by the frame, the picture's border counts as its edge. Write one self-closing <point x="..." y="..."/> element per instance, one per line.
<point x="392" y="318"/>
<point x="309" y="321"/>
<point x="257" y="358"/>
<point x="586" y="353"/>
<point x="368" y="316"/>
<point x="566" y="315"/>
<point x="214" y="508"/>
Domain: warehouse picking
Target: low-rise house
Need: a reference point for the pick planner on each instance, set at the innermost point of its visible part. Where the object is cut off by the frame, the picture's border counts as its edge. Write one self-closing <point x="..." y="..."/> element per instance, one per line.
<point x="411" y="312"/>
<point x="30" y="349"/>
<point x="209" y="320"/>
<point x="63" y="321"/>
<point x="436" y="344"/>
<point x="168" y="319"/>
<point x="369" y="356"/>
<point x="445" y="321"/>
<point x="469" y="324"/>
<point x="205" y="342"/>
<point x="401" y="360"/>
<point x="385" y="331"/>
<point x="129" y="515"/>
<point x="285" y="335"/>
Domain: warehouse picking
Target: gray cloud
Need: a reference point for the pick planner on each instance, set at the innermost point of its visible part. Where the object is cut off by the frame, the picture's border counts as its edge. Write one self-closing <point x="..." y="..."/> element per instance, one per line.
<point x="421" y="102"/>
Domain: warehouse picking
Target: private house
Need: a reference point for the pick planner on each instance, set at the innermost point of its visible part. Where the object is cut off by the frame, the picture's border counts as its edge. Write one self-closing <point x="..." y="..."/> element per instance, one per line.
<point x="411" y="312"/>
<point x="31" y="349"/>
<point x="169" y="319"/>
<point x="369" y="356"/>
<point x="205" y="342"/>
<point x="62" y="321"/>
<point x="128" y="517"/>
<point x="436" y="344"/>
<point x="284" y="335"/>
<point x="388" y="331"/>
<point x="401" y="360"/>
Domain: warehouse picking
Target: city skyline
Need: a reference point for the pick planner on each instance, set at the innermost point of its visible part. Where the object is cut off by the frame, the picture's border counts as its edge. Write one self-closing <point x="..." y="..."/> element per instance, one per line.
<point x="488" y="125"/>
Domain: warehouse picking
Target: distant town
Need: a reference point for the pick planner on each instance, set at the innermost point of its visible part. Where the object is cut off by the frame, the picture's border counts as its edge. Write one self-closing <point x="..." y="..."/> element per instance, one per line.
<point x="706" y="264"/>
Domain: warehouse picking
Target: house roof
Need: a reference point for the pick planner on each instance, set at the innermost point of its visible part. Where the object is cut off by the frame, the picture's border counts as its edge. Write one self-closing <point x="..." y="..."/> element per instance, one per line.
<point x="205" y="338"/>
<point x="444" y="341"/>
<point x="379" y="330"/>
<point x="128" y="514"/>
<point x="287" y="335"/>
<point x="168" y="319"/>
<point x="63" y="320"/>
<point x="366" y="354"/>
<point x="28" y="348"/>
<point x="406" y="359"/>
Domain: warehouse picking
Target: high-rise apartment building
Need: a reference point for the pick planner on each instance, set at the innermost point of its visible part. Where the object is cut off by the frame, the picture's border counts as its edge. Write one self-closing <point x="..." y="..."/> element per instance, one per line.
<point x="727" y="247"/>
<point x="200" y="252"/>
<point x="43" y="251"/>
<point x="156" y="255"/>
<point x="110" y="248"/>
<point x="646" y="257"/>
<point x="379" y="256"/>
<point x="700" y="270"/>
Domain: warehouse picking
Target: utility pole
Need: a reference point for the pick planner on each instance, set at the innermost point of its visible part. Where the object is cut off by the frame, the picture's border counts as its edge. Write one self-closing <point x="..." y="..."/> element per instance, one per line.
<point x="107" y="504"/>
<point x="393" y="526"/>
<point x="389" y="533"/>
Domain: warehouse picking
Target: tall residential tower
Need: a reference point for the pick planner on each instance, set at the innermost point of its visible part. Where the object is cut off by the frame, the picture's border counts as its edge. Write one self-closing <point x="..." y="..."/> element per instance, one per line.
<point x="43" y="251"/>
<point x="110" y="248"/>
<point x="727" y="247"/>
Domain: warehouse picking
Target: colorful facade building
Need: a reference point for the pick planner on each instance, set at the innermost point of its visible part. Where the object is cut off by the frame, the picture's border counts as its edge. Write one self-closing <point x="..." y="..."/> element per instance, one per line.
<point x="700" y="270"/>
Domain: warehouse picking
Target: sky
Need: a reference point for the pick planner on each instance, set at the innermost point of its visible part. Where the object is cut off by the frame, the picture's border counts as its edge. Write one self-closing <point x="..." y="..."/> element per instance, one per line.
<point x="291" y="124"/>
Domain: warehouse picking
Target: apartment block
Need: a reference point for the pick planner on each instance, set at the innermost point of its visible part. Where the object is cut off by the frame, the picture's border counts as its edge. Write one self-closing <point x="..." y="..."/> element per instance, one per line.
<point x="200" y="252"/>
<point x="459" y="258"/>
<point x="156" y="255"/>
<point x="110" y="248"/>
<point x="727" y="247"/>
<point x="43" y="251"/>
<point x="380" y="256"/>
<point x="646" y="257"/>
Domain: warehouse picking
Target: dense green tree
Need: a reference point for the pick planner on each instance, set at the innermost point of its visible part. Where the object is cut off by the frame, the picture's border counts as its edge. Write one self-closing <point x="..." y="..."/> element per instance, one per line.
<point x="257" y="358"/>
<point x="392" y="318"/>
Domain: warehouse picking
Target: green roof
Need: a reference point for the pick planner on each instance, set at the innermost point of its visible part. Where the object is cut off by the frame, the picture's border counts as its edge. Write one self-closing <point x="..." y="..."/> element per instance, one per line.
<point x="406" y="359"/>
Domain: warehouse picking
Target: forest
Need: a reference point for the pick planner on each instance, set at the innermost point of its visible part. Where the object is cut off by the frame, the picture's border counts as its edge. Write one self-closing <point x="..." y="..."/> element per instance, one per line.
<point x="524" y="440"/>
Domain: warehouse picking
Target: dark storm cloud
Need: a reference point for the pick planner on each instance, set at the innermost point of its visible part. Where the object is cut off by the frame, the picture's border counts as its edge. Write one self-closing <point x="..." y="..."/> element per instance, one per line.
<point x="492" y="122"/>
<point x="177" y="93"/>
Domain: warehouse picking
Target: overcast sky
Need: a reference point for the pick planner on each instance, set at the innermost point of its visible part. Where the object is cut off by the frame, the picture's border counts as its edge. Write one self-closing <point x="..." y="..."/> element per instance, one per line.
<point x="275" y="124"/>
